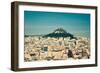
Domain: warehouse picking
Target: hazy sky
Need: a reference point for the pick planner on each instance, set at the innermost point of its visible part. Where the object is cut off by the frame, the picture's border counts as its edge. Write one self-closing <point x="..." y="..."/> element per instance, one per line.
<point x="37" y="23"/>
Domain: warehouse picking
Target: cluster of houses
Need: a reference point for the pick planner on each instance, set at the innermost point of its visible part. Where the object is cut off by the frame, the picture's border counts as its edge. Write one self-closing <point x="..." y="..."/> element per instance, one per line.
<point x="39" y="48"/>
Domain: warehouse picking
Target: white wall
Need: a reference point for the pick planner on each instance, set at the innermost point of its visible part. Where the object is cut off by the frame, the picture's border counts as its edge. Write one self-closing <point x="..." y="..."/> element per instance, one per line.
<point x="5" y="40"/>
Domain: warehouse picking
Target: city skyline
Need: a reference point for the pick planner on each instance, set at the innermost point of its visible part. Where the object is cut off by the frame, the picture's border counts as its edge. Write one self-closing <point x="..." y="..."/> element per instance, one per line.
<point x="37" y="23"/>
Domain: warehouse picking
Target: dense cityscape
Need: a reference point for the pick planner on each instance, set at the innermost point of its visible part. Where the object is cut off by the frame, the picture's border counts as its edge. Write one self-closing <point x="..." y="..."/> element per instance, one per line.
<point x="61" y="47"/>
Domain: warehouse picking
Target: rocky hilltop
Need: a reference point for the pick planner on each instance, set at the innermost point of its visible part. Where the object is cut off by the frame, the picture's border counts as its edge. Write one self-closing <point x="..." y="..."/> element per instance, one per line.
<point x="60" y="32"/>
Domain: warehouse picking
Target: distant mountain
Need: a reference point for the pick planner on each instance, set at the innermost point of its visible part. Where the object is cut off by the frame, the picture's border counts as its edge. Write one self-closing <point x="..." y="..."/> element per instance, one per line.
<point x="60" y="32"/>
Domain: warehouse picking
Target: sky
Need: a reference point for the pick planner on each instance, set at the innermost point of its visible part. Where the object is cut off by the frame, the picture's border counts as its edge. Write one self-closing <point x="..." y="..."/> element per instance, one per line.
<point x="39" y="23"/>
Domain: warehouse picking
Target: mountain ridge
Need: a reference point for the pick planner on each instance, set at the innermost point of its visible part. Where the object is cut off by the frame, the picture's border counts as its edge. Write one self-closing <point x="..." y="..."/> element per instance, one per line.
<point x="59" y="32"/>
